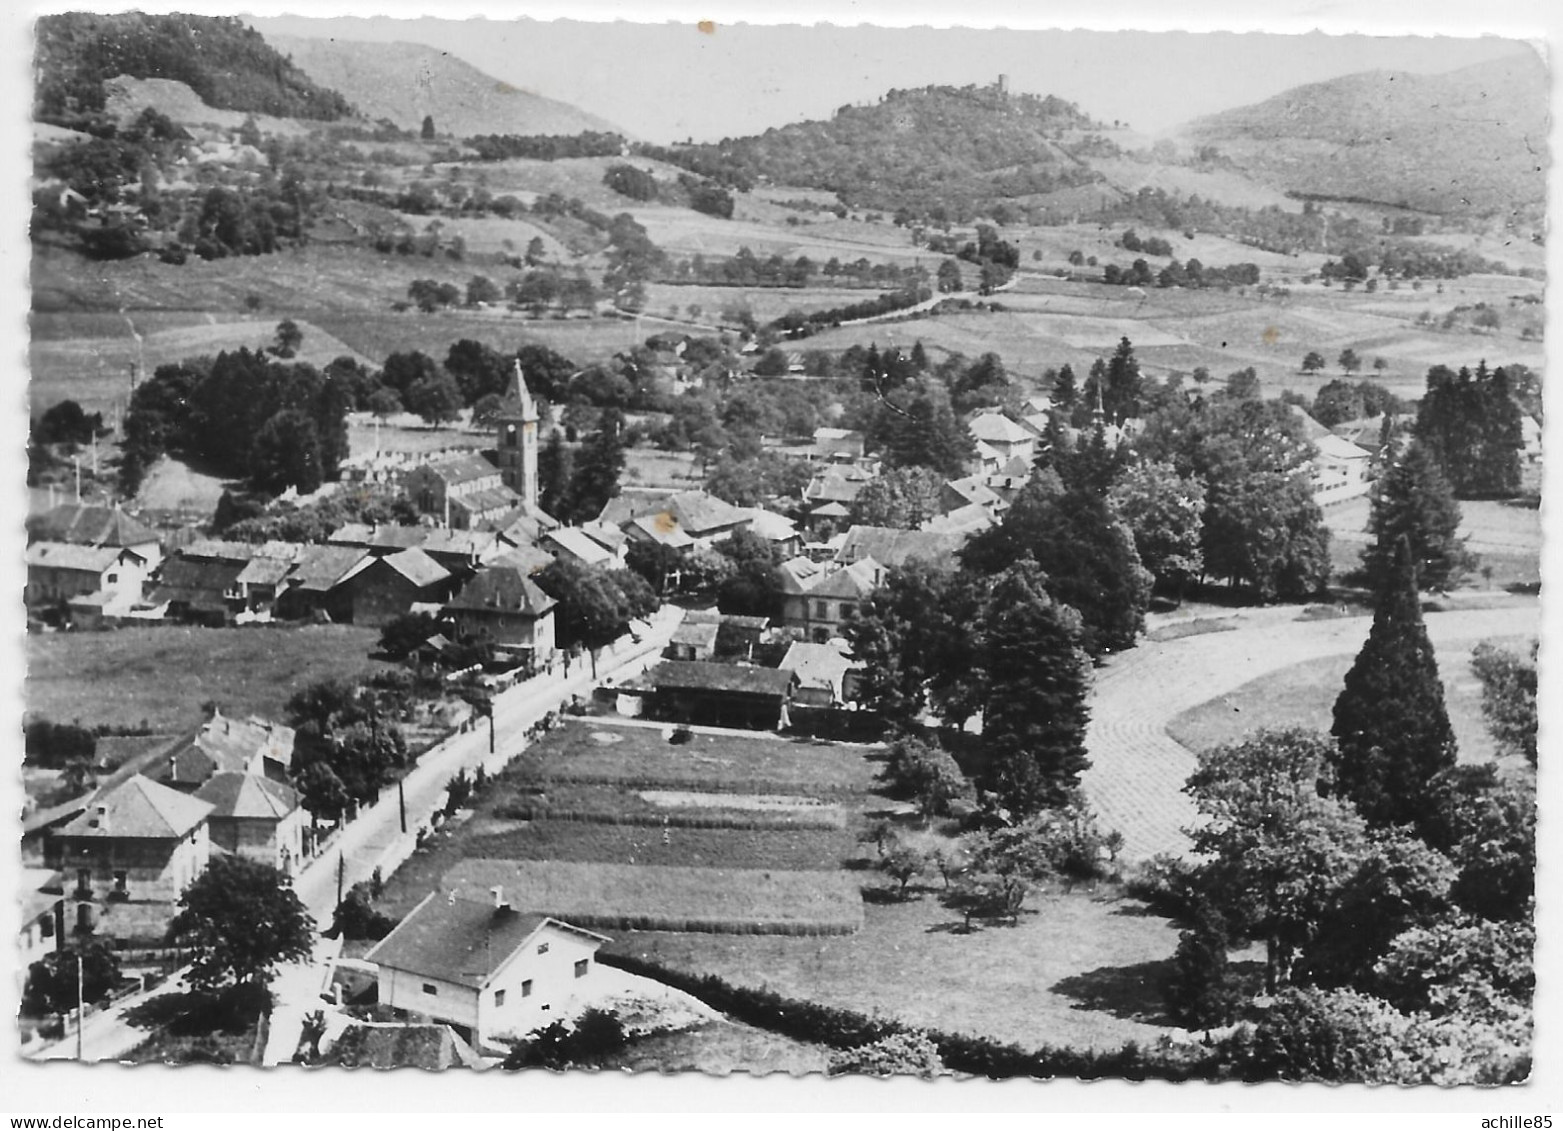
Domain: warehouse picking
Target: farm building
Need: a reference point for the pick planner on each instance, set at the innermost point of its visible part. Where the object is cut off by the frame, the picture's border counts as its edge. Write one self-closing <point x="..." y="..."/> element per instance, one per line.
<point x="255" y="817"/>
<point x="825" y="674"/>
<point x="128" y="857"/>
<point x="486" y="969"/>
<point x="893" y="548"/>
<point x="196" y="589"/>
<point x="223" y="744"/>
<point x="379" y="589"/>
<point x="693" y="640"/>
<point x="575" y="545"/>
<point x="59" y="571"/>
<point x="314" y="587"/>
<point x="681" y="519"/>
<point x="721" y="694"/>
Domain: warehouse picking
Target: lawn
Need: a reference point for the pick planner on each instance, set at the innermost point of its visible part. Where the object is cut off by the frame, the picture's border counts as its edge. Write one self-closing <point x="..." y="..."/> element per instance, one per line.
<point x="162" y="676"/>
<point x="1505" y="535"/>
<point x="614" y="897"/>
<point x="719" y="1048"/>
<point x="1080" y="969"/>
<point x="1303" y="695"/>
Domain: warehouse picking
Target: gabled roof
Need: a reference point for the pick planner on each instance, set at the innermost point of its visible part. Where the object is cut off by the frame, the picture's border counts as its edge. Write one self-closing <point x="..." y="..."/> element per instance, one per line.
<point x="853" y="582"/>
<point x="412" y="563"/>
<point x="698" y="512"/>
<point x="69" y="555"/>
<point x="320" y="568"/>
<point x="384" y="537"/>
<point x="140" y="809"/>
<point x="528" y="559"/>
<point x="801" y="574"/>
<point x="432" y="1048"/>
<point x="1335" y="447"/>
<point x="522" y="525"/>
<point x="974" y="489"/>
<point x="605" y="535"/>
<point x="264" y="571"/>
<point x="695" y="675"/>
<point x="829" y="510"/>
<point x="834" y="487"/>
<point x="502" y="589"/>
<point x="486" y="499"/>
<point x="87" y="525"/>
<point x="580" y="545"/>
<point x="996" y="428"/>
<point x="968" y="519"/>
<point x="1312" y="429"/>
<point x="218" y="550"/>
<point x="234" y="794"/>
<point x="462" y="940"/>
<point x="698" y="634"/>
<point x="195" y="581"/>
<point x="769" y="525"/>
<point x="893" y="548"/>
<point x="462" y="543"/>
<point x="817" y="665"/>
<point x="662" y="527"/>
<point x="462" y="467"/>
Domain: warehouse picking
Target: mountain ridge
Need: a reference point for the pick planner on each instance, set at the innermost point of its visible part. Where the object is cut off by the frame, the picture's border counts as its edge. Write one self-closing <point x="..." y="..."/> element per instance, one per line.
<point x="463" y="100"/>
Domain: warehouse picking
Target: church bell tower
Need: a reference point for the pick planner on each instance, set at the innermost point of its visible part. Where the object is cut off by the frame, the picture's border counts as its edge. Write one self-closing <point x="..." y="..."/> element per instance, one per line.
<point x="517" y="440"/>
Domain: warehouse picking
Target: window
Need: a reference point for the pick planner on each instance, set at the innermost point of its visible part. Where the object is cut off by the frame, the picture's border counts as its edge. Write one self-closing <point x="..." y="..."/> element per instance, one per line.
<point x="821" y="610"/>
<point x="582" y="967"/>
<point x="542" y="948"/>
<point x="119" y="882"/>
<point x="46" y="925"/>
<point x="499" y="998"/>
<point x="526" y="988"/>
<point x="431" y="989"/>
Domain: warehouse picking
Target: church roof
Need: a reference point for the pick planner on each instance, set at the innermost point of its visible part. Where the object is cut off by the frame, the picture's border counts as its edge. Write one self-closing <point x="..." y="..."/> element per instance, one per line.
<point x="518" y="398"/>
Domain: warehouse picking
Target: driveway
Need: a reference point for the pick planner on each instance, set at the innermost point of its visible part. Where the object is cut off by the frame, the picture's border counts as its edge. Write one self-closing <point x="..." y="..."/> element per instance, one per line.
<point x="1137" y="772"/>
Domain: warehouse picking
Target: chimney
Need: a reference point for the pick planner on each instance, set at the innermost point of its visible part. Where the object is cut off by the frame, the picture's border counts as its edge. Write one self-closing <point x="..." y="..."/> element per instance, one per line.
<point x="498" y="893"/>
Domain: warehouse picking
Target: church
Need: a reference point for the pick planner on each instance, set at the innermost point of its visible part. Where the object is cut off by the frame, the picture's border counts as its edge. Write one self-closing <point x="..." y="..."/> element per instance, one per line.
<point x="465" y="491"/>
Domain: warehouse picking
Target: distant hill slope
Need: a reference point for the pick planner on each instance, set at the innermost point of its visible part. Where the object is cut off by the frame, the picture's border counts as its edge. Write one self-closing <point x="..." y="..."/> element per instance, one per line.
<point x="1470" y="142"/>
<point x="403" y="82"/>
<point x="923" y="148"/>
<point x="228" y="65"/>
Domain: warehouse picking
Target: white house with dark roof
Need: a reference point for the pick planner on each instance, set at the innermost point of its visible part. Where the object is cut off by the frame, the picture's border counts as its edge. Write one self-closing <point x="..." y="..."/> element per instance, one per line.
<point x="87" y="524"/>
<point x="1003" y="435"/>
<point x="492" y="972"/>
<point x="59" y="571"/>
<point x="824" y="673"/>
<point x="503" y="606"/>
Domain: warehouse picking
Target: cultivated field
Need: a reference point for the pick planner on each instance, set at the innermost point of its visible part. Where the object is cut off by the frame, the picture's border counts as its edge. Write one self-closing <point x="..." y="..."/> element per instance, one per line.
<point x="162" y="676"/>
<point x="1505" y="536"/>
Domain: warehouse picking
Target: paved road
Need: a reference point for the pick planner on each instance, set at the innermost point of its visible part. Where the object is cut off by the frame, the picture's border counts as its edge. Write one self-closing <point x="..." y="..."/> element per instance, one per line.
<point x="1136" y="778"/>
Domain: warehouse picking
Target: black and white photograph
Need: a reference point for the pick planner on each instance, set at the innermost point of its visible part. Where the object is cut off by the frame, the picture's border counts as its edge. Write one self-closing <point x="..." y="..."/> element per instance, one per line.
<point x="817" y="551"/>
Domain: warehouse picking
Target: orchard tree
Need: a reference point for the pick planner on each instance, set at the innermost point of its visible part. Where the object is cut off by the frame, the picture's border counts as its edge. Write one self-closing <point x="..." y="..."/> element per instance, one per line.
<point x="239" y="919"/>
<point x="1313" y="362"/>
<point x="1392" y="731"/>
<point x="1413" y="501"/>
<point x="1348" y="361"/>
<point x="1038" y="678"/>
<point x="288" y="338"/>
<point x="436" y="399"/>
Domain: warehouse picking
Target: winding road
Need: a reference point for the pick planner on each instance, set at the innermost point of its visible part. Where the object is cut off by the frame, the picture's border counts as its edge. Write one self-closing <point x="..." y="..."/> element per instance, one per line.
<point x="1136" y="778"/>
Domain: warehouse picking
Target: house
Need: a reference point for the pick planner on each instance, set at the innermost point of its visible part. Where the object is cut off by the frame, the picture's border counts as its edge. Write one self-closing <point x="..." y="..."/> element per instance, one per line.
<point x="461" y="490"/>
<point x="693" y="640"/>
<point x="43" y="917"/>
<point x="313" y="589"/>
<point x="368" y="1044"/>
<point x="1003" y="435"/>
<point x="832" y="599"/>
<point x="721" y="694"/>
<point x="129" y="855"/>
<point x="503" y="606"/>
<point x="379" y="589"/>
<point x="1340" y="469"/>
<point x="490" y="971"/>
<point x="973" y="490"/>
<point x="963" y="520"/>
<point x="197" y="589"/>
<point x="825" y="674"/>
<point x="255" y="589"/>
<point x="224" y="744"/>
<point x="779" y="530"/>
<point x="835" y="485"/>
<point x="838" y="445"/>
<point x="893" y="548"/>
<point x="59" y="571"/>
<point x="681" y="519"/>
<point x="575" y="545"/>
<point x="84" y="524"/>
<point x="255" y="817"/>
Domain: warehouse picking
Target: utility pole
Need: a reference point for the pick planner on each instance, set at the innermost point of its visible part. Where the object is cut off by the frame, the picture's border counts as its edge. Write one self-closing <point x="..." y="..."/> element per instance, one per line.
<point x="341" y="868"/>
<point x="81" y="1008"/>
<point x="401" y="805"/>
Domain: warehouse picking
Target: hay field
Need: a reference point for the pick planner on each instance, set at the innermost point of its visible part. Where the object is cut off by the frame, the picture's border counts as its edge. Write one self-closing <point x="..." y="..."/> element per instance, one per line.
<point x="648" y="897"/>
<point x="94" y="370"/>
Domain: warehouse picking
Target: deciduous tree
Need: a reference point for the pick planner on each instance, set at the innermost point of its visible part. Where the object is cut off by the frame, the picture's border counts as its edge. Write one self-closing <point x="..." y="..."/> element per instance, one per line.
<point x="240" y="918"/>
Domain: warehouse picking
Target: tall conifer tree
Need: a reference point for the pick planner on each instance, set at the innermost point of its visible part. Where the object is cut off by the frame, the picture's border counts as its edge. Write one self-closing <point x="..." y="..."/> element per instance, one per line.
<point x="1391" y="729"/>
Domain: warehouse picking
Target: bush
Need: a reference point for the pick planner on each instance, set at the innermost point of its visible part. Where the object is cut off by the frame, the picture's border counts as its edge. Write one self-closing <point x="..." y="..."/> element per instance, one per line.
<point x="1165" y="883"/>
<point x="54" y="745"/>
<point x="597" y="1035"/>
<point x="1197" y="992"/>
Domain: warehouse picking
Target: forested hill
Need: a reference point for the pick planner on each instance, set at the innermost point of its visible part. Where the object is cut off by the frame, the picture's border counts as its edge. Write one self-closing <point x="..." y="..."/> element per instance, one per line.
<point x="404" y="82"/>
<point x="1469" y="142"/>
<point x="228" y="65"/>
<point x="918" y="149"/>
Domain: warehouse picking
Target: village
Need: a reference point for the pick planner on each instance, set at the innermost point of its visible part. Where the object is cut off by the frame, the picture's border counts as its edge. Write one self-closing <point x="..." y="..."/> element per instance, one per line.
<point x="960" y="587"/>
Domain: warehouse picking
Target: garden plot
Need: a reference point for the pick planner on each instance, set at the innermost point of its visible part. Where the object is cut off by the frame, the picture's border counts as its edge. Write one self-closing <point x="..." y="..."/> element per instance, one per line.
<point x="640" y="897"/>
<point x="663" y="808"/>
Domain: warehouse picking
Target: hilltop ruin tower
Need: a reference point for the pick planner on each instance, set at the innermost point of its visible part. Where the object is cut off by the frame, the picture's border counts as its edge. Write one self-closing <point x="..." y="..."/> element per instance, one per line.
<point x="516" y="422"/>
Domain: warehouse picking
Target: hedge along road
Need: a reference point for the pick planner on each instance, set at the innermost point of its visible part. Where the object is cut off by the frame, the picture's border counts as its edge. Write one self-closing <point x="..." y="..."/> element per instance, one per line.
<point x="1135" y="782"/>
